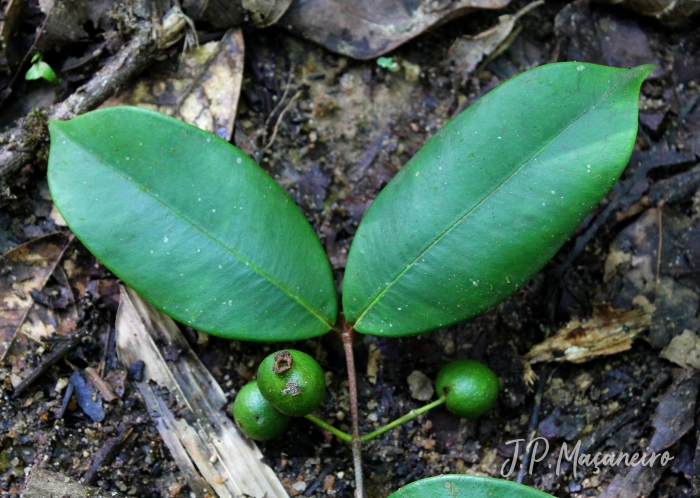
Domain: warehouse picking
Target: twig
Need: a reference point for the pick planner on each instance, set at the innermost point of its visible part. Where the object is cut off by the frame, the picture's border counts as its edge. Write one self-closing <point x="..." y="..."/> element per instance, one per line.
<point x="99" y="384"/>
<point x="352" y="388"/>
<point x="61" y="350"/>
<point x="66" y="399"/>
<point x="107" y="452"/>
<point x="661" y="241"/>
<point x="327" y="470"/>
<point x="20" y="145"/>
<point x="284" y="96"/>
<point x="279" y="120"/>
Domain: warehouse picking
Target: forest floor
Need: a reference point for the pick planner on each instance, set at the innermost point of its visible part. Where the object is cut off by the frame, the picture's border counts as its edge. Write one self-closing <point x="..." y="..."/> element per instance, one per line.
<point x="343" y="128"/>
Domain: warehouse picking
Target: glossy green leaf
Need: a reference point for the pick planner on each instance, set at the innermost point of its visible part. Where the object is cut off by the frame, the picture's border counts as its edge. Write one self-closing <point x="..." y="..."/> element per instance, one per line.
<point x="464" y="486"/>
<point x="41" y="70"/>
<point x="491" y="198"/>
<point x="192" y="224"/>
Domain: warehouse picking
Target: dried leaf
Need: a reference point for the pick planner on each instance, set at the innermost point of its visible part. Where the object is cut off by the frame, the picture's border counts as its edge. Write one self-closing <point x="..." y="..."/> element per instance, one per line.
<point x="468" y="51"/>
<point x="609" y="331"/>
<point x="117" y="380"/>
<point x="669" y="12"/>
<point x="683" y="350"/>
<point x="201" y="89"/>
<point x="22" y="270"/>
<point x="587" y="34"/>
<point x="65" y="21"/>
<point x="674" y="417"/>
<point x="227" y="13"/>
<point x="633" y="269"/>
<point x="365" y="29"/>
<point x="266" y="12"/>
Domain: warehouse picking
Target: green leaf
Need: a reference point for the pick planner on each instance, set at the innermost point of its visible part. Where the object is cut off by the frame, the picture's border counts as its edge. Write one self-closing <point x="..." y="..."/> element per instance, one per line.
<point x="388" y="63"/>
<point x="491" y="198"/>
<point x="192" y="224"/>
<point x="464" y="486"/>
<point x="41" y="69"/>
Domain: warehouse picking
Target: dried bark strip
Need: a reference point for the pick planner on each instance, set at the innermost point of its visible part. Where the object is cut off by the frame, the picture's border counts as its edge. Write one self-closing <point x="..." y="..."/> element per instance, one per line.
<point x="230" y="463"/>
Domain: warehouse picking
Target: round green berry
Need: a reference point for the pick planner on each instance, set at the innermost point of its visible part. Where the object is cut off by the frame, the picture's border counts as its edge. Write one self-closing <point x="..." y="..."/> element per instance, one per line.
<point x="292" y="381"/>
<point x="470" y="388"/>
<point x="255" y="416"/>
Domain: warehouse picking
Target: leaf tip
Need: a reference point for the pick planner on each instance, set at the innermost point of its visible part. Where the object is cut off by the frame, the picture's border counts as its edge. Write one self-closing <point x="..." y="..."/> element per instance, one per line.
<point x="643" y="71"/>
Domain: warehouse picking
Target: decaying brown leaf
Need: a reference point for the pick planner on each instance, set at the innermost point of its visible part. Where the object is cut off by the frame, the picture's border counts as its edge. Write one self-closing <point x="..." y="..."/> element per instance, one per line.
<point x="635" y="268"/>
<point x="266" y="12"/>
<point x="24" y="269"/>
<point x="201" y="89"/>
<point x="673" y="418"/>
<point x="65" y="21"/>
<point x="669" y="12"/>
<point x="213" y="456"/>
<point x="365" y="29"/>
<point x="228" y="13"/>
<point x="608" y="331"/>
<point x="468" y="51"/>
<point x="683" y="350"/>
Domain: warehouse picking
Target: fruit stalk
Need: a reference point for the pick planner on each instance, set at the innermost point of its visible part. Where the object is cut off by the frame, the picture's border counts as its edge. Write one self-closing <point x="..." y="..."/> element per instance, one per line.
<point x="409" y="416"/>
<point x="347" y="336"/>
<point x="327" y="427"/>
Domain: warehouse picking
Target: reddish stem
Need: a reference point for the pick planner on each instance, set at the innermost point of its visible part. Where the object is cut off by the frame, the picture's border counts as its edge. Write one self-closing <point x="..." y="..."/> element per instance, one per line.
<point x="347" y="336"/>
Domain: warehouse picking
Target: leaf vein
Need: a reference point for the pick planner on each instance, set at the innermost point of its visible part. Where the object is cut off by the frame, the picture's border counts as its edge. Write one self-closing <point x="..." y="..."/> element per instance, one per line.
<point x="441" y="236"/>
<point x="211" y="237"/>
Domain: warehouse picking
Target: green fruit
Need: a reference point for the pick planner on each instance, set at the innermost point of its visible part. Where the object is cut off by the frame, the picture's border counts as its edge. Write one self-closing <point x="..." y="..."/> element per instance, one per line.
<point x="255" y="416"/>
<point x="470" y="388"/>
<point x="292" y="381"/>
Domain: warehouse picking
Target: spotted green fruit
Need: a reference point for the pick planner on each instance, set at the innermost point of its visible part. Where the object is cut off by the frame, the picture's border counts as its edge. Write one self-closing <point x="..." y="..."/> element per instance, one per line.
<point x="470" y="388"/>
<point x="292" y="381"/>
<point x="255" y="416"/>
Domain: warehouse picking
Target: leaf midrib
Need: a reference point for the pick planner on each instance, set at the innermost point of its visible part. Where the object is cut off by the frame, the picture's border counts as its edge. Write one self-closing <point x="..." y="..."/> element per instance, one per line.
<point x="471" y="210"/>
<point x="186" y="220"/>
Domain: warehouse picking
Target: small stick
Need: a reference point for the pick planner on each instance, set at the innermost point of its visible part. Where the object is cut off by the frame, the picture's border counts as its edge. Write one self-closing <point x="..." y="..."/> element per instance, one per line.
<point x="61" y="350"/>
<point x="107" y="452"/>
<point x="327" y="470"/>
<point x="279" y="120"/>
<point x="284" y="96"/>
<point x="99" y="383"/>
<point x="409" y="416"/>
<point x="661" y="241"/>
<point x="352" y="387"/>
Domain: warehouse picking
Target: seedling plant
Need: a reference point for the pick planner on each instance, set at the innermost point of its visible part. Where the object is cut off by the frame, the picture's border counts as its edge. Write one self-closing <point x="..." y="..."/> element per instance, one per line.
<point x="202" y="232"/>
